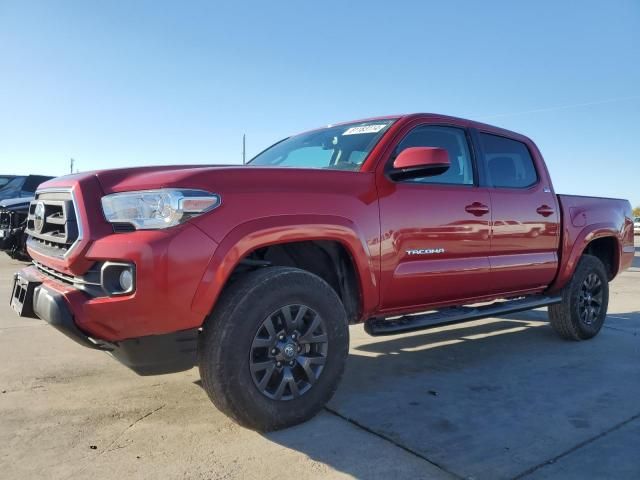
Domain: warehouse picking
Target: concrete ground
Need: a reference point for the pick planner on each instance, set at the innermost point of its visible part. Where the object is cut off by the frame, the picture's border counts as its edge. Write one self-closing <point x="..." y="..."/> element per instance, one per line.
<point x="497" y="398"/>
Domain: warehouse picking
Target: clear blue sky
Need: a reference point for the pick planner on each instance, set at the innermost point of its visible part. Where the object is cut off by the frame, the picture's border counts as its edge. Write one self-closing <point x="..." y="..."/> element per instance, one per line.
<point x="122" y="83"/>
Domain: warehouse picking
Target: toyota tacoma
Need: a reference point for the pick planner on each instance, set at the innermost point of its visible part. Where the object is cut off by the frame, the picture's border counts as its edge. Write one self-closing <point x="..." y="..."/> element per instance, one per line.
<point x="254" y="273"/>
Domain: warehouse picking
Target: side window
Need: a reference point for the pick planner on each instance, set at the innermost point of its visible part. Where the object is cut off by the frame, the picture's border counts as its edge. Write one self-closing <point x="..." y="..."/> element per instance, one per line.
<point x="31" y="183"/>
<point x="454" y="141"/>
<point x="507" y="162"/>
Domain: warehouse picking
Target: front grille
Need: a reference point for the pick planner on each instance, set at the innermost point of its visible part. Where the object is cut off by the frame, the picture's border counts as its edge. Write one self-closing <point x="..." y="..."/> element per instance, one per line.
<point x="52" y="225"/>
<point x="12" y="217"/>
<point x="6" y="218"/>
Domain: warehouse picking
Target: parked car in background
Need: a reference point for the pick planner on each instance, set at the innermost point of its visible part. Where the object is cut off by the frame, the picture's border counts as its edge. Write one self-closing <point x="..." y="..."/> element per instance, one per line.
<point x="254" y="273"/>
<point x="15" y="194"/>
<point x="636" y="225"/>
<point x="19" y="186"/>
<point x="13" y="219"/>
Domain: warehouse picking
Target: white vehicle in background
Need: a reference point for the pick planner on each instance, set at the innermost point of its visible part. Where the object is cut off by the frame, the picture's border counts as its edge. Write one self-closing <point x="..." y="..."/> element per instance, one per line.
<point x="636" y="225"/>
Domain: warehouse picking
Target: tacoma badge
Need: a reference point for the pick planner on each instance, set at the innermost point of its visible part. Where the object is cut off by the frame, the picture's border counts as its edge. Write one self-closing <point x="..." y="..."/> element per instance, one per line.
<point x="425" y="251"/>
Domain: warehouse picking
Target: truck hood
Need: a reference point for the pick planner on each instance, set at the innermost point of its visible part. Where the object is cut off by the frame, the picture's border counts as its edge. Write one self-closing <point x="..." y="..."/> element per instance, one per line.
<point x="15" y="202"/>
<point x="143" y="178"/>
<point x="214" y="178"/>
<point x="136" y="178"/>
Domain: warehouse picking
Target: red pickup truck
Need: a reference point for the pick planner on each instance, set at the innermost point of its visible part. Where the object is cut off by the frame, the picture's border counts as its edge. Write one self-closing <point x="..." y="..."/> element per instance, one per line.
<point x="253" y="273"/>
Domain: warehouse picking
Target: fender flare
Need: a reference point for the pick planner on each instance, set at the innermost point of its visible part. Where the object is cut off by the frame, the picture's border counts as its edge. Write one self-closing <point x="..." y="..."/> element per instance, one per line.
<point x="265" y="231"/>
<point x="573" y="250"/>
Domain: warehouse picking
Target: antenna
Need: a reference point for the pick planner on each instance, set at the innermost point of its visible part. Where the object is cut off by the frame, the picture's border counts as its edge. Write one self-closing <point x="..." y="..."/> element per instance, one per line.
<point x="244" y="148"/>
<point x="71" y="162"/>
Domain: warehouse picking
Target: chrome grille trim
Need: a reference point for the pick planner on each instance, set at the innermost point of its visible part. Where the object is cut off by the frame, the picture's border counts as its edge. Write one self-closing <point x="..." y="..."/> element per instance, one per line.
<point x="71" y="280"/>
<point x="49" y="244"/>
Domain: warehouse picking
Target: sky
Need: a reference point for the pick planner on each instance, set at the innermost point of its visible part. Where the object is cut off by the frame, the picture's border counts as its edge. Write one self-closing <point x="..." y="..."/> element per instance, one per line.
<point x="127" y="83"/>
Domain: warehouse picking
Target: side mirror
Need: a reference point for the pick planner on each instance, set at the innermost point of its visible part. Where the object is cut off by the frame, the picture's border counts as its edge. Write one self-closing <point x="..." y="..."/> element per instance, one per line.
<point x="417" y="162"/>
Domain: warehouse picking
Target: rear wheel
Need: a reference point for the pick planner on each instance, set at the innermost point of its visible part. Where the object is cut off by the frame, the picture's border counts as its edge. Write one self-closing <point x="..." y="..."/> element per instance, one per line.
<point x="272" y="353"/>
<point x="585" y="299"/>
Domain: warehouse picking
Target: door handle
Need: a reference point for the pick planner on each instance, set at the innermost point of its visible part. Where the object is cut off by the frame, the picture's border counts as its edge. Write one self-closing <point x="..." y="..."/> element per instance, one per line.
<point x="478" y="209"/>
<point x="545" y="210"/>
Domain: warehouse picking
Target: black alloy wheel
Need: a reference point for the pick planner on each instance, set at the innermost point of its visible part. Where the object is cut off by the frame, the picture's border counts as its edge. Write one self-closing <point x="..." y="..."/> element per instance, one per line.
<point x="288" y="352"/>
<point x="583" y="309"/>
<point x="590" y="299"/>
<point x="273" y="350"/>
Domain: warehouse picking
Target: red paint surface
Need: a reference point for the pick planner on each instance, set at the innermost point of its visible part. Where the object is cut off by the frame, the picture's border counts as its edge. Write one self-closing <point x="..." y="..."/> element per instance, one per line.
<point x="497" y="242"/>
<point x="421" y="156"/>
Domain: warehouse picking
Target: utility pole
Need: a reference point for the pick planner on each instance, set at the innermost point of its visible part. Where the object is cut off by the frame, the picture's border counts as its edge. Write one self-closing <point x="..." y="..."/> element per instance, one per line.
<point x="71" y="161"/>
<point x="244" y="149"/>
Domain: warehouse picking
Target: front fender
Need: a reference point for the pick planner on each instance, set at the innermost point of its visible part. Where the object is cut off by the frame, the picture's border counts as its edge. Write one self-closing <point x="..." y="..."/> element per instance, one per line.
<point x="262" y="232"/>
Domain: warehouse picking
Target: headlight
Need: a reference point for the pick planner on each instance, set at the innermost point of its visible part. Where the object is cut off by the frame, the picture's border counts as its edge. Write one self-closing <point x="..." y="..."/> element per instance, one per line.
<point x="153" y="209"/>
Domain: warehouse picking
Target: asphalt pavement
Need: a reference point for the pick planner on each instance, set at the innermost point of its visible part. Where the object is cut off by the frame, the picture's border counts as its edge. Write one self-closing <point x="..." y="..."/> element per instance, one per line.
<point x="490" y="399"/>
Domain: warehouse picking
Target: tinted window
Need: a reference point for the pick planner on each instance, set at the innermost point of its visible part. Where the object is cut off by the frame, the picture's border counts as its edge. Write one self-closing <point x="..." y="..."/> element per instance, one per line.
<point x="507" y="162"/>
<point x="32" y="182"/>
<point x="454" y="141"/>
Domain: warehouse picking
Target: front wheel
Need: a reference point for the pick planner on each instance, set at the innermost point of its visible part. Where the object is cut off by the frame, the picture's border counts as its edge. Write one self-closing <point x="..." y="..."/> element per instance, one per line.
<point x="581" y="313"/>
<point x="272" y="353"/>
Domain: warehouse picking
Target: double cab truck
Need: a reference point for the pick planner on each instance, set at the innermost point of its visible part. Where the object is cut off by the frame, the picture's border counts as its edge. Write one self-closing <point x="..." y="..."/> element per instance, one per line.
<point x="254" y="273"/>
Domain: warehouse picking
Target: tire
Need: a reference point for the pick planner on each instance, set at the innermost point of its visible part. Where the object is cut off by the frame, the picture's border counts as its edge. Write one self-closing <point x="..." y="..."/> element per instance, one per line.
<point x="578" y="316"/>
<point x="240" y="336"/>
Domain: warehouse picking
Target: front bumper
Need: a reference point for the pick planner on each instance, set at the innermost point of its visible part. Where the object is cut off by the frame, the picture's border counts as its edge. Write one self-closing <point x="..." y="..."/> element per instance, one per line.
<point x="147" y="355"/>
<point x="7" y="238"/>
<point x="169" y="266"/>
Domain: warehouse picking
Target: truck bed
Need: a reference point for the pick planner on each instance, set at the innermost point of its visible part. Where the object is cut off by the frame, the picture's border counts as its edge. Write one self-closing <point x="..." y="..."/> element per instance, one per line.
<point x="609" y="215"/>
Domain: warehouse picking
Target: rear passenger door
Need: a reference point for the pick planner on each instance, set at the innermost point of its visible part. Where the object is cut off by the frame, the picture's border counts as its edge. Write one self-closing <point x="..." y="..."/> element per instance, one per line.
<point x="525" y="214"/>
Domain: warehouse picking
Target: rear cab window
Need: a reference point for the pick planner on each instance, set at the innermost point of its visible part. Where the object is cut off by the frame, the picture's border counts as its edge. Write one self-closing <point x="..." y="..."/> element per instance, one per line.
<point x="507" y="162"/>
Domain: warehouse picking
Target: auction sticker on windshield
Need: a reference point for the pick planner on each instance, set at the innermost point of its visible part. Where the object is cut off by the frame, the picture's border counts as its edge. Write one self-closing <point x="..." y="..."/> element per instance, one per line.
<point x="364" y="129"/>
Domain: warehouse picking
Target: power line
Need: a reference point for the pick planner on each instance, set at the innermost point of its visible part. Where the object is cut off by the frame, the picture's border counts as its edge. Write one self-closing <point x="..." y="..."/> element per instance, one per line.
<point x="559" y="107"/>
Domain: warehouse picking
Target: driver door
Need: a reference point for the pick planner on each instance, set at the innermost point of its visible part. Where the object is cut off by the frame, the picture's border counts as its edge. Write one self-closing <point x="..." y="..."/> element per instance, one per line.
<point x="435" y="230"/>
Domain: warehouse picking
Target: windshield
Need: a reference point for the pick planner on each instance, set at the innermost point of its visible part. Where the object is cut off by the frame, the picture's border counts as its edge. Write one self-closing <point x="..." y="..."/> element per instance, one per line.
<point x="13" y="183"/>
<point x="340" y="147"/>
<point x="4" y="180"/>
<point x="12" y="189"/>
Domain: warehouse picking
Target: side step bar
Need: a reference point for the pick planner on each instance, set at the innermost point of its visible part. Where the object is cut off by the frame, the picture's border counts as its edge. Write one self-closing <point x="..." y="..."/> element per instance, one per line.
<point x="408" y="323"/>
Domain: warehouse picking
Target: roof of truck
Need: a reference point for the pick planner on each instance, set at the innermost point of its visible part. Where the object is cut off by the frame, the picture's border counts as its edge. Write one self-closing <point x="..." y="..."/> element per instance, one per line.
<point x="438" y="116"/>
